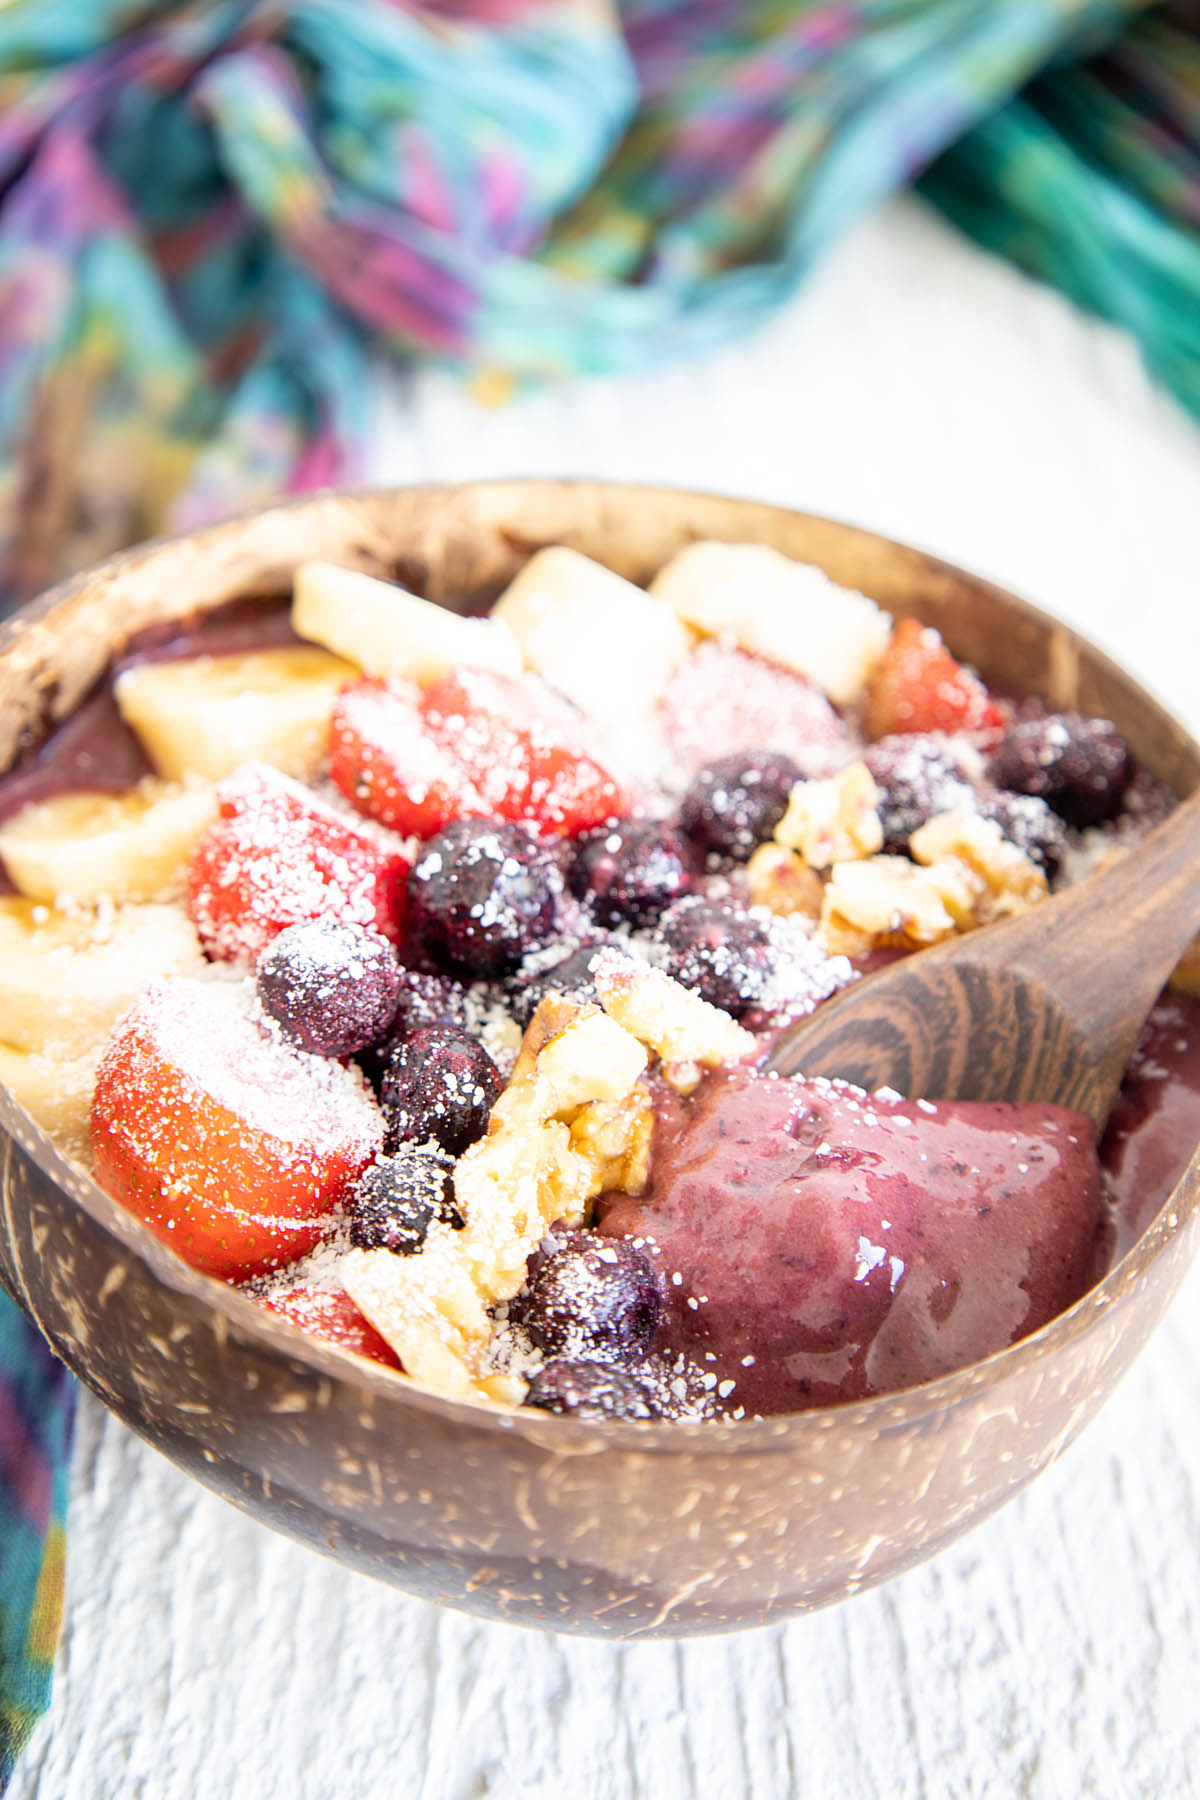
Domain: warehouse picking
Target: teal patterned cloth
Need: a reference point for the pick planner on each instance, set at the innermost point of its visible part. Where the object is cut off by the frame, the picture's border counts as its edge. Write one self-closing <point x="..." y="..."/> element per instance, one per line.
<point x="212" y="214"/>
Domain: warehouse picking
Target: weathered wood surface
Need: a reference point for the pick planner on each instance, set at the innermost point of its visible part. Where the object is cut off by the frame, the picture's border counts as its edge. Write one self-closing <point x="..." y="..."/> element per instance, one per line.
<point x="929" y="393"/>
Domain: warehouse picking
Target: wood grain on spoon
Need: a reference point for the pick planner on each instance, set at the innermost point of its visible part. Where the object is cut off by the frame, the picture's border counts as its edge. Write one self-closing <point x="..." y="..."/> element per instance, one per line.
<point x="1047" y="1006"/>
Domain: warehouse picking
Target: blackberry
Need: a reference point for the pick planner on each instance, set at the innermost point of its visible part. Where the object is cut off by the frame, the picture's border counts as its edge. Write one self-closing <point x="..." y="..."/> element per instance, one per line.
<point x="1028" y="823"/>
<point x="482" y="895"/>
<point x="329" y="985"/>
<point x="440" y="1084"/>
<point x="399" y="1197"/>
<point x="588" y="1390"/>
<point x="735" y="803"/>
<point x="630" y="872"/>
<point x="1078" y="766"/>
<point x="592" y="1296"/>
<point x="918" y="774"/>
<point x="723" y="952"/>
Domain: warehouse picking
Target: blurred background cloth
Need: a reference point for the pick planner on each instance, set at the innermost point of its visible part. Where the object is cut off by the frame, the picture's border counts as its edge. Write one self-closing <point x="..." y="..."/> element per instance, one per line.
<point x="211" y="213"/>
<point x="212" y="216"/>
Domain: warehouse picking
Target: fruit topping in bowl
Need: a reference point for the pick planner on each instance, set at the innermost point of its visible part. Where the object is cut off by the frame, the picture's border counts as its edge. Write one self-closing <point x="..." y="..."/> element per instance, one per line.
<point x="425" y="985"/>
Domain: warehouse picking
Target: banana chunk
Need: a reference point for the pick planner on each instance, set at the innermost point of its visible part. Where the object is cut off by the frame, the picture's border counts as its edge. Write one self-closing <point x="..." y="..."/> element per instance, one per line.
<point x="89" y="847"/>
<point x="205" y="715"/>
<point x="384" y="630"/>
<point x="66" y="978"/>
<point x="791" y="613"/>
<point x="607" y="645"/>
<point x="56" y="1094"/>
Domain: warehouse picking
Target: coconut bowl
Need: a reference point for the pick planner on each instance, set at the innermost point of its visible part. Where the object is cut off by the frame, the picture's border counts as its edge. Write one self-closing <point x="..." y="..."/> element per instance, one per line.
<point x="610" y="1529"/>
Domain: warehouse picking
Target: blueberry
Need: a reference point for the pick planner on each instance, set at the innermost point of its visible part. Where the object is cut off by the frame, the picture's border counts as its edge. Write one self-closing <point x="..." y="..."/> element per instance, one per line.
<point x="592" y="1296"/>
<point x="723" y="952"/>
<point x="918" y="774"/>
<point x="483" y="895"/>
<point x="630" y="872"/>
<point x="588" y="1390"/>
<point x="735" y="803"/>
<point x="1028" y="823"/>
<point x="570" y="974"/>
<point x="331" y="986"/>
<point x="438" y="1084"/>
<point x="1078" y="766"/>
<point x="398" y="1198"/>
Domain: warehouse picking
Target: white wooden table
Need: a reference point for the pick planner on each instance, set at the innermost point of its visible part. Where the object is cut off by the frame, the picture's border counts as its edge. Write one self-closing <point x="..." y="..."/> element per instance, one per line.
<point x="925" y="390"/>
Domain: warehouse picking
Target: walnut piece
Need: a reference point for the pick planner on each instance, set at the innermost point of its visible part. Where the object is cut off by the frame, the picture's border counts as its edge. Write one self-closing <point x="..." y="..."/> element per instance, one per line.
<point x="780" y="879"/>
<point x="987" y="878"/>
<point x="833" y="821"/>
<point x="883" y="901"/>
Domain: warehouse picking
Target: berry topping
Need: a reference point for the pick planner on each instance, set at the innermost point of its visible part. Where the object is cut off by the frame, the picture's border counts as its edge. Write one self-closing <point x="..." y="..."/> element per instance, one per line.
<point x="482" y="896"/>
<point x="918" y="686"/>
<point x="477" y="745"/>
<point x="1028" y="823"/>
<point x="630" y="872"/>
<point x="591" y="1296"/>
<point x="588" y="1390"/>
<point x="331" y="1316"/>
<point x="723" y="700"/>
<point x="230" y="1144"/>
<point x="439" y="1084"/>
<point x="569" y="974"/>
<point x="722" y="952"/>
<point x="735" y="802"/>
<point x="331" y="986"/>
<point x="1078" y="766"/>
<point x="919" y="775"/>
<point x="399" y="1197"/>
<point x="274" y="857"/>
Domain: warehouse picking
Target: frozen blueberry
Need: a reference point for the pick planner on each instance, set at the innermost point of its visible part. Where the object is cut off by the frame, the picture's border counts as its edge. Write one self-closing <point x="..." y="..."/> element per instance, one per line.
<point x="440" y="1084"/>
<point x="723" y="952"/>
<point x="1028" y="823"/>
<point x="482" y="895"/>
<point x="630" y="872"/>
<point x="592" y="1296"/>
<point x="735" y="803"/>
<point x="588" y="1390"/>
<point x="1078" y="766"/>
<point x="331" y="986"/>
<point x="919" y="775"/>
<point x="398" y="1198"/>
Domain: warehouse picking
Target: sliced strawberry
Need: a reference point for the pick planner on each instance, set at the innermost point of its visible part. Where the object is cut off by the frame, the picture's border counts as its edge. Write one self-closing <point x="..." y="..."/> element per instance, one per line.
<point x="274" y="857"/>
<point x="479" y="745"/>
<point x="918" y="686"/>
<point x="722" y="700"/>
<point x="230" y="1145"/>
<point x="385" y="762"/>
<point x="333" y="1317"/>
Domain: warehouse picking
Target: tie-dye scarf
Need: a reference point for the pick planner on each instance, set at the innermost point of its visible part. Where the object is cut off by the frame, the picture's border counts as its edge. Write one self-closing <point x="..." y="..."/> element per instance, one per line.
<point x="211" y="212"/>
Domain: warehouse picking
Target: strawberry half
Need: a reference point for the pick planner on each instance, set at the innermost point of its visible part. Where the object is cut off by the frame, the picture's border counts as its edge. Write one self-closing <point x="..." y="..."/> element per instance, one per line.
<point x="918" y="686"/>
<point x="332" y="1317"/>
<point x="274" y="857"/>
<point x="478" y="745"/>
<point x="721" y="700"/>
<point x="230" y="1145"/>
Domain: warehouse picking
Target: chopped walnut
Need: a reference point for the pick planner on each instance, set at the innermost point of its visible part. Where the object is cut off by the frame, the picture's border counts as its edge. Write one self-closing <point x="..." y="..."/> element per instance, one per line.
<point x="833" y="821"/>
<point x="883" y="901"/>
<point x="993" y="879"/>
<point x="668" y="1017"/>
<point x="781" y="880"/>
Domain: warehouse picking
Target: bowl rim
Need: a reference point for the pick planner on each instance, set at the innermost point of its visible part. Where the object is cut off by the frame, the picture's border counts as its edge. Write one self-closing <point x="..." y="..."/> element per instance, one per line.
<point x="889" y="1411"/>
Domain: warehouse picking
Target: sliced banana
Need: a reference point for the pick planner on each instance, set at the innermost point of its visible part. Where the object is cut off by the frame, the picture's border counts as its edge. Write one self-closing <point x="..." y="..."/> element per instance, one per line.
<point x="205" y="715"/>
<point x="66" y="977"/>
<point x="385" y="630"/>
<point x="607" y="645"/>
<point x="789" y="612"/>
<point x="55" y="1093"/>
<point x="87" y="847"/>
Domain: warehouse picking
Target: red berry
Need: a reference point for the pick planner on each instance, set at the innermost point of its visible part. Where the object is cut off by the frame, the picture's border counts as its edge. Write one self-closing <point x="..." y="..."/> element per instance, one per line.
<point x="274" y="857"/>
<point x="918" y="686"/>
<point x="480" y="745"/>
<point x="332" y="1317"/>
<point x="230" y="1145"/>
<point x="722" y="701"/>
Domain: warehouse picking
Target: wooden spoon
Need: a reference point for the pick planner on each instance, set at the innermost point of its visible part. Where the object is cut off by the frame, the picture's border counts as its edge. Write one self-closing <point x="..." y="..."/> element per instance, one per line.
<point x="1046" y="1006"/>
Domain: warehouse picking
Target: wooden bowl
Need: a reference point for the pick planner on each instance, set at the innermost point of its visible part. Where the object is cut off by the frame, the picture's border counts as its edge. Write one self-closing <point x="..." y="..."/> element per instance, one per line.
<point x="619" y="1529"/>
